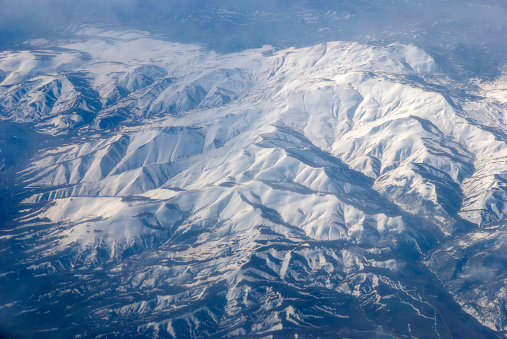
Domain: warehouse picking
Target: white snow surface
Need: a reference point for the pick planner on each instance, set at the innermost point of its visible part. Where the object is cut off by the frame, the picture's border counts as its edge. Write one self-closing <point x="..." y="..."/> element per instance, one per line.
<point x="338" y="141"/>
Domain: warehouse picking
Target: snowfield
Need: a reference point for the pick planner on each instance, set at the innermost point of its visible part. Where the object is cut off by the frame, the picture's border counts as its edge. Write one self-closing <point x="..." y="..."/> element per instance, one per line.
<point x="339" y="189"/>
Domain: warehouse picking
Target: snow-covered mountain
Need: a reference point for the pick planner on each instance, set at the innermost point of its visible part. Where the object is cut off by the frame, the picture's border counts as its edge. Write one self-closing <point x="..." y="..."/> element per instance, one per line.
<point x="341" y="189"/>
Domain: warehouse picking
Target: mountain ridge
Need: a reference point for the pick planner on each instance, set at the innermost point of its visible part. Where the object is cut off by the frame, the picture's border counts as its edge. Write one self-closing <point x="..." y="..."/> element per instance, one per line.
<point x="253" y="193"/>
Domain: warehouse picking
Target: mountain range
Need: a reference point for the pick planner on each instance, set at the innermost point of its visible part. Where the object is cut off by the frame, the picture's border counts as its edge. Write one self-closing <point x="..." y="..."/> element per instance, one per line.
<point x="161" y="189"/>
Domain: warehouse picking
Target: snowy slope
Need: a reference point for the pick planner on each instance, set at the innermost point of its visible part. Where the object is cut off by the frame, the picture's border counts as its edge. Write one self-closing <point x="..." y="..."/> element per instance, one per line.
<point x="260" y="192"/>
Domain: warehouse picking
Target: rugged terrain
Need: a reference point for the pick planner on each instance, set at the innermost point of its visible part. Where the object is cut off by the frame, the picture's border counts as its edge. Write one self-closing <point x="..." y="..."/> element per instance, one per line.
<point x="162" y="189"/>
